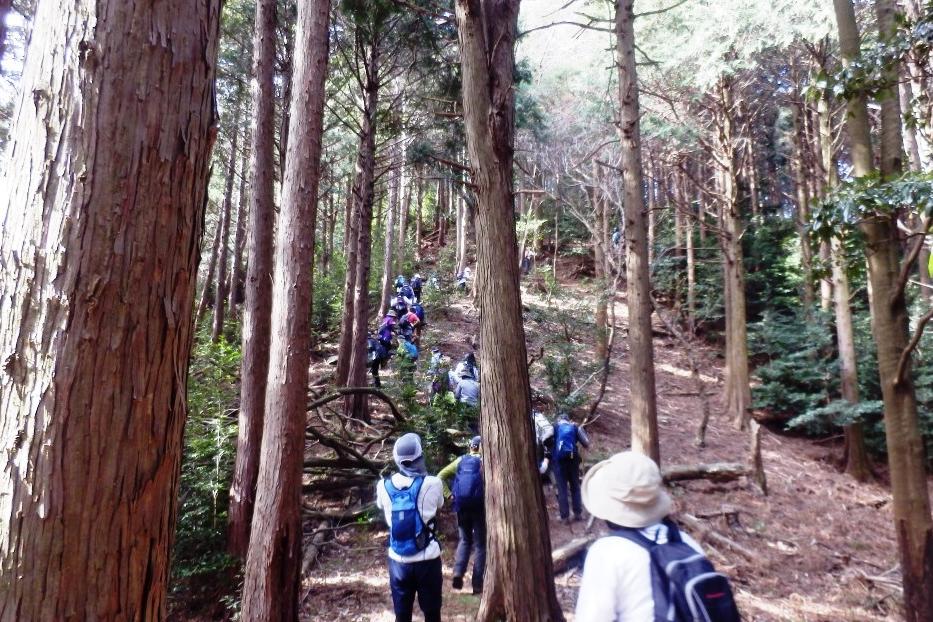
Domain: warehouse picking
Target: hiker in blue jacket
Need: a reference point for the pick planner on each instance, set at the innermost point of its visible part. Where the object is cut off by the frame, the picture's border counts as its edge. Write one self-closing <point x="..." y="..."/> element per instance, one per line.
<point x="467" y="489"/>
<point x="566" y="465"/>
<point x="410" y="500"/>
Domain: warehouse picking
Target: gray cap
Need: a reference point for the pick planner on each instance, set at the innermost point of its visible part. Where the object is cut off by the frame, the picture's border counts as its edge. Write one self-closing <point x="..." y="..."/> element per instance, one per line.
<point x="408" y="456"/>
<point x="475" y="442"/>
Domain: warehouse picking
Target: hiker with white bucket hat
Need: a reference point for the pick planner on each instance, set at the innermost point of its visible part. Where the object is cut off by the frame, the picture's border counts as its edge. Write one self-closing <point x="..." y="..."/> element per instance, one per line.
<point x="646" y="569"/>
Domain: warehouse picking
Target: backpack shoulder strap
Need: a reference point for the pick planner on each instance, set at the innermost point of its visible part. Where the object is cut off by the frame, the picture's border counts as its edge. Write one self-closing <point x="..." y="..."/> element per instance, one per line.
<point x="634" y="535"/>
<point x="673" y="532"/>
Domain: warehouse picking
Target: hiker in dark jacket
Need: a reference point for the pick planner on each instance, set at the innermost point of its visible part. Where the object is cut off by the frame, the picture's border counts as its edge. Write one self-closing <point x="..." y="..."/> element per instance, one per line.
<point x="466" y="473"/>
<point x="416" y="284"/>
<point x="377" y="355"/>
<point x="566" y="465"/>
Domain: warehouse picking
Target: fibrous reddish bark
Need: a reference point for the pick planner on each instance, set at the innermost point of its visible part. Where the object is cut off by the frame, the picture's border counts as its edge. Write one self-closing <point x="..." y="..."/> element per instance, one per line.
<point x="519" y="578"/>
<point x="102" y="210"/>
<point x="643" y="405"/>
<point x="258" y="306"/>
<point x="270" y="589"/>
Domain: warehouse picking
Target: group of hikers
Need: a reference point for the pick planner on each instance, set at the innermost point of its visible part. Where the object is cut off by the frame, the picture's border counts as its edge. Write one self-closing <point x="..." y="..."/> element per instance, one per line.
<point x="644" y="570"/>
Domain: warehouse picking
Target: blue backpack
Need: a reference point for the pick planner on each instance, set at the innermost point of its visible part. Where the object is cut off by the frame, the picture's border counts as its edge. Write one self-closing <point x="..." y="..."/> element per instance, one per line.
<point x="406" y="292"/>
<point x="566" y="441"/>
<point x="468" y="483"/>
<point x="418" y="310"/>
<point x="410" y="350"/>
<point x="408" y="533"/>
<point x="684" y="584"/>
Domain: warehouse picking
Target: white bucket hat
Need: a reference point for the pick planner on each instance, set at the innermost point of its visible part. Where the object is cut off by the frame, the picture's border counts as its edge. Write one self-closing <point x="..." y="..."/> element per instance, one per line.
<point x="627" y="490"/>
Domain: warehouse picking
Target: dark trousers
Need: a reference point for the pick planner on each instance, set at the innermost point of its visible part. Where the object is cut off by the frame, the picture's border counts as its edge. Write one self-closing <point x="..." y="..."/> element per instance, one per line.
<point x="567" y="473"/>
<point x="472" y="527"/>
<point x="422" y="578"/>
<point x="374" y="370"/>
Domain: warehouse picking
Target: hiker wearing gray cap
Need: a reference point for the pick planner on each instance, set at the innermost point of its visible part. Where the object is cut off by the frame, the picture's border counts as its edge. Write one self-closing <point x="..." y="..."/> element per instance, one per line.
<point x="646" y="569"/>
<point x="566" y="465"/>
<point x="467" y="489"/>
<point x="410" y="500"/>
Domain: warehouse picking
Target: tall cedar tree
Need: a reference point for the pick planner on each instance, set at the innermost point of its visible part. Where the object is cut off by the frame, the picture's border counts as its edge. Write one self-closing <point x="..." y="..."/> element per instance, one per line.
<point x="906" y="459"/>
<point x="270" y="590"/>
<point x="103" y="206"/>
<point x="643" y="405"/>
<point x="519" y="576"/>
<point x="258" y="307"/>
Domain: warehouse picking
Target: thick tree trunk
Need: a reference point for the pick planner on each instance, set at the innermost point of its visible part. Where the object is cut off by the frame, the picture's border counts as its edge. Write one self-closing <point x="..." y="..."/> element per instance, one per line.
<point x="906" y="459"/>
<point x="738" y="398"/>
<point x="643" y="405"/>
<point x="237" y="272"/>
<point x="208" y="289"/>
<point x="270" y="589"/>
<point x="103" y="209"/>
<point x="254" y="367"/>
<point x="357" y="405"/>
<point x="519" y="579"/>
<point x="220" y="296"/>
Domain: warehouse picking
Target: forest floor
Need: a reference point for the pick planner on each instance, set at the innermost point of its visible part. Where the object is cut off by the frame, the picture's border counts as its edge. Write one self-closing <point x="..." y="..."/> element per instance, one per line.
<point x="823" y="546"/>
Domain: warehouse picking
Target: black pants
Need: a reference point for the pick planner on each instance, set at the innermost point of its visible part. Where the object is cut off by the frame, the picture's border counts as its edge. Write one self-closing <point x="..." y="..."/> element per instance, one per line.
<point x="374" y="369"/>
<point x="567" y="473"/>
<point x="422" y="578"/>
<point x="471" y="525"/>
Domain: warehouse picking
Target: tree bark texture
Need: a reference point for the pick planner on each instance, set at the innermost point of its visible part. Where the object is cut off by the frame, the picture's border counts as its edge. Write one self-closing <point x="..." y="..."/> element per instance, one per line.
<point x="102" y="210"/>
<point x="803" y="212"/>
<point x="270" y="590"/>
<point x="220" y="296"/>
<point x="738" y="396"/>
<point x="258" y="305"/>
<point x="906" y="455"/>
<point x="237" y="271"/>
<point x="643" y="406"/>
<point x="519" y="578"/>
<point x="388" y="250"/>
<point x="357" y="405"/>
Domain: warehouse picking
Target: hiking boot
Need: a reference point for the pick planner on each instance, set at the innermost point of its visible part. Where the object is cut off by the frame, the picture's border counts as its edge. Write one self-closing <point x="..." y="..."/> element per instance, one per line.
<point x="477" y="590"/>
<point x="457" y="583"/>
<point x="563" y="520"/>
<point x="577" y="518"/>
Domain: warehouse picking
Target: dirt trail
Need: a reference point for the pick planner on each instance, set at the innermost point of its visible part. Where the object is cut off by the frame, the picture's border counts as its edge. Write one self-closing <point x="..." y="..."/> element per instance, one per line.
<point x="824" y="545"/>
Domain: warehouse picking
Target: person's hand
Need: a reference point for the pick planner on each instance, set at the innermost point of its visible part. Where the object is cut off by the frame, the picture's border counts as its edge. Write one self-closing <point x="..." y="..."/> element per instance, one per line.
<point x="543" y="468"/>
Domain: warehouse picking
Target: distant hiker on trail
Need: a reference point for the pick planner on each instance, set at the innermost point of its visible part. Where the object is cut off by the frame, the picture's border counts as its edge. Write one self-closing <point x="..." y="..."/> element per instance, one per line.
<point x="377" y="355"/>
<point x="467" y="490"/>
<point x="624" y="578"/>
<point x="566" y="465"/>
<point x="418" y="310"/>
<point x="399" y="306"/>
<point x="416" y="284"/>
<point x="467" y="366"/>
<point x="386" y="332"/>
<point x="544" y="442"/>
<point x="616" y="236"/>
<point x="410" y="500"/>
<point x="399" y="282"/>
<point x="407" y="294"/>
<point x="408" y="325"/>
<point x="439" y="374"/>
<point x="467" y="391"/>
<point x="407" y="359"/>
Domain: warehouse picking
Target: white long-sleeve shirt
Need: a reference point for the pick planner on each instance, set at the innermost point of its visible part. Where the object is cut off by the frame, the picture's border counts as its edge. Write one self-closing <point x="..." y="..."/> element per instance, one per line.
<point x="430" y="500"/>
<point x="616" y="583"/>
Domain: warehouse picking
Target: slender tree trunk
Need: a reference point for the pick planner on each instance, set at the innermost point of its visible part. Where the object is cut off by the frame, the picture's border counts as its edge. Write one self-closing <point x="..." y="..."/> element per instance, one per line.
<point x="643" y="405"/>
<point x="102" y="209"/>
<point x="270" y="588"/>
<point x="357" y="405"/>
<point x="652" y="210"/>
<point x="691" y="274"/>
<point x="208" y="290"/>
<point x="5" y="6"/>
<point x="404" y="199"/>
<point x="906" y="459"/>
<point x="803" y="213"/>
<point x="220" y="298"/>
<point x="738" y="397"/>
<point x="856" y="455"/>
<point x="351" y="250"/>
<point x="258" y="305"/>
<point x="599" y="261"/>
<point x="238" y="273"/>
<point x="388" y="251"/>
<point x="419" y="224"/>
<point x="519" y="577"/>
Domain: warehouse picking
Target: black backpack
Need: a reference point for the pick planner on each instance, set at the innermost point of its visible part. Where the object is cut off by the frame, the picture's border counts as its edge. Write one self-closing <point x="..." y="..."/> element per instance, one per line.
<point x="684" y="584"/>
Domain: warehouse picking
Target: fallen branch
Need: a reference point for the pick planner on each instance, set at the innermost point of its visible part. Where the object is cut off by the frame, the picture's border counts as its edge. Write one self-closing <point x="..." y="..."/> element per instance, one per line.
<point x="705" y="532"/>
<point x="562" y="557"/>
<point x="714" y="472"/>
<point x="343" y="391"/>
<point x="341" y="517"/>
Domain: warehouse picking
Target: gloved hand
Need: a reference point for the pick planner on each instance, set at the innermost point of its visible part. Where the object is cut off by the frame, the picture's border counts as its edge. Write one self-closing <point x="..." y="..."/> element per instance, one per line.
<point x="542" y="469"/>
